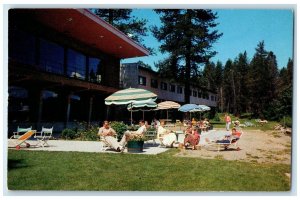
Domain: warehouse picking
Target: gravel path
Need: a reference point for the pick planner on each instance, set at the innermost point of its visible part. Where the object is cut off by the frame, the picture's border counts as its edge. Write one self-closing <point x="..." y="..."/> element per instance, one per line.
<point x="255" y="145"/>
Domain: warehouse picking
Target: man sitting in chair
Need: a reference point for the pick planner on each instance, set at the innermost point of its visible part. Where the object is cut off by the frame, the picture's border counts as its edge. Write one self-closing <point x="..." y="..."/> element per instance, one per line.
<point x="108" y="133"/>
<point x="141" y="131"/>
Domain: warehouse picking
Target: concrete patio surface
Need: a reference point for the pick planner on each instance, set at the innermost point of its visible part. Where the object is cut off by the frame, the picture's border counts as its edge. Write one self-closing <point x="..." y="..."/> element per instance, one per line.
<point x="88" y="146"/>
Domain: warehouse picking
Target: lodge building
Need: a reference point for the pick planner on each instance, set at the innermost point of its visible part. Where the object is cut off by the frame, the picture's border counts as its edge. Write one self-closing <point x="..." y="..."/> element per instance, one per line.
<point x="137" y="76"/>
<point x="62" y="64"/>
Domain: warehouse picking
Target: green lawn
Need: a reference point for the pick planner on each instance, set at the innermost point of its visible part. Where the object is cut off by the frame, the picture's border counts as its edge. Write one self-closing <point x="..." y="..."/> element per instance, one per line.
<point x="38" y="170"/>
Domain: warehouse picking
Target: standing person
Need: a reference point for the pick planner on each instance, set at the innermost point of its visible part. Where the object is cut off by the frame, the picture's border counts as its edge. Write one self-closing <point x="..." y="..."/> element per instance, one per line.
<point x="126" y="137"/>
<point x="107" y="132"/>
<point x="227" y="121"/>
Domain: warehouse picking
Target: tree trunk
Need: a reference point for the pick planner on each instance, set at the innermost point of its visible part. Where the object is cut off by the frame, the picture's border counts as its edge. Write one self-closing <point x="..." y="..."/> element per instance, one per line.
<point x="187" y="80"/>
<point x="234" y="94"/>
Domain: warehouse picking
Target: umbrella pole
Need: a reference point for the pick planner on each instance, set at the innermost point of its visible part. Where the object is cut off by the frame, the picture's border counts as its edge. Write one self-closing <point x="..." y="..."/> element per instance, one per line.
<point x="143" y="115"/>
<point x="131" y="114"/>
<point x="167" y="116"/>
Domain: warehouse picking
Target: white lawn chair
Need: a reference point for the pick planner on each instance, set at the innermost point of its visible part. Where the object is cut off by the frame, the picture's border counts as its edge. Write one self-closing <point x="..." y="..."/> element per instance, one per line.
<point x="151" y="135"/>
<point x="43" y="136"/>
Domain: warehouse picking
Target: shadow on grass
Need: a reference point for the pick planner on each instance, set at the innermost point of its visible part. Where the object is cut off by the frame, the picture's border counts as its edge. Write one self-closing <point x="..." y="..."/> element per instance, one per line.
<point x="16" y="164"/>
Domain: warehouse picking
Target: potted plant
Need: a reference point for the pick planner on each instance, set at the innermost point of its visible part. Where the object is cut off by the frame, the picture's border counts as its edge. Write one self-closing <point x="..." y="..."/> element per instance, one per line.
<point x="135" y="143"/>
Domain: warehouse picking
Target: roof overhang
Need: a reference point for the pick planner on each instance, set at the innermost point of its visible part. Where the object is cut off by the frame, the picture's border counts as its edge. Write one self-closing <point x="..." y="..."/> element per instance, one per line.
<point x="90" y="29"/>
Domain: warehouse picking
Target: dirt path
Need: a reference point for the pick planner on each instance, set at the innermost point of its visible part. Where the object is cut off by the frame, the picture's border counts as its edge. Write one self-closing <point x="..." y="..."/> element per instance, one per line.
<point x="255" y="145"/>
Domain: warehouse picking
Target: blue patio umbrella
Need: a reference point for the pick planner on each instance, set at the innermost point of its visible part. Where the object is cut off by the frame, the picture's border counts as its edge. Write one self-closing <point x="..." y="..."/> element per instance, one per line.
<point x="189" y="108"/>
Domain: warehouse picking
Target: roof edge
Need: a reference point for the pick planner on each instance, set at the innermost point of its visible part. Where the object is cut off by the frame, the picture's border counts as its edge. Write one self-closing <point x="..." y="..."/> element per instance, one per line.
<point x="112" y="29"/>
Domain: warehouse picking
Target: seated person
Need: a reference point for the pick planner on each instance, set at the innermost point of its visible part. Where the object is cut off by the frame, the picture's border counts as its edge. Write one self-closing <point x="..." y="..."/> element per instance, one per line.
<point x="108" y="133"/>
<point x="235" y="135"/>
<point x="192" y="138"/>
<point x="202" y="126"/>
<point x="161" y="131"/>
<point x="128" y="134"/>
<point x="168" y="139"/>
<point x="194" y="122"/>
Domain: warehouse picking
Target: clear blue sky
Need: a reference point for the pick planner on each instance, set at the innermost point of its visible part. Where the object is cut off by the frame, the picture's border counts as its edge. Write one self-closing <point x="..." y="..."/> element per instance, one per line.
<point x="242" y="30"/>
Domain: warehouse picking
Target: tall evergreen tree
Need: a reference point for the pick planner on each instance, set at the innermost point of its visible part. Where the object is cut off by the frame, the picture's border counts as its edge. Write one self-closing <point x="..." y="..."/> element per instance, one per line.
<point x="241" y="67"/>
<point x="219" y="84"/>
<point x="227" y="86"/>
<point x="257" y="83"/>
<point x="187" y="37"/>
<point x="127" y="23"/>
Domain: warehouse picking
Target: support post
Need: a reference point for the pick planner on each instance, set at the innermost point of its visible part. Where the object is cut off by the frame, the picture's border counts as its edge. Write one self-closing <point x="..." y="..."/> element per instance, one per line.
<point x="90" y="110"/>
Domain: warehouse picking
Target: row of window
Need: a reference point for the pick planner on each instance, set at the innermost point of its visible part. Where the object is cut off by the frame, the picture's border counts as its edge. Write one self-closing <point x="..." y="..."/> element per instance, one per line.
<point x="52" y="57"/>
<point x="164" y="86"/>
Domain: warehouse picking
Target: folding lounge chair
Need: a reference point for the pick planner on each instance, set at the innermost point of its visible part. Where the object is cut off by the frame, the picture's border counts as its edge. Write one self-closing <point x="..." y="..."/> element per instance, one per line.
<point x="19" y="132"/>
<point x="43" y="136"/>
<point x="225" y="143"/>
<point x="21" y="139"/>
<point x="104" y="145"/>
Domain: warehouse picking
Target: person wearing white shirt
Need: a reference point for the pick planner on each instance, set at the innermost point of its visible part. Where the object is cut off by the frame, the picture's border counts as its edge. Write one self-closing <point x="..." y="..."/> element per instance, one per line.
<point x="141" y="131"/>
<point x="108" y="133"/>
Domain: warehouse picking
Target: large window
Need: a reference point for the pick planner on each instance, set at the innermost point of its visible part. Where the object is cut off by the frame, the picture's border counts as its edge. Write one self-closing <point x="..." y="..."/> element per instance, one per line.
<point x="51" y="57"/>
<point x="22" y="47"/>
<point x="199" y="94"/>
<point x="95" y="70"/>
<point x="154" y="83"/>
<point x="179" y="89"/>
<point x="194" y="93"/>
<point x="163" y="86"/>
<point x="172" y="88"/>
<point x="142" y="80"/>
<point x="76" y="64"/>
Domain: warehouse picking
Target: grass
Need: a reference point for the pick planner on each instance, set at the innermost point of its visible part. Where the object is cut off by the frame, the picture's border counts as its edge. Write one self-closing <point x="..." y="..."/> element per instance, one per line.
<point x="39" y="170"/>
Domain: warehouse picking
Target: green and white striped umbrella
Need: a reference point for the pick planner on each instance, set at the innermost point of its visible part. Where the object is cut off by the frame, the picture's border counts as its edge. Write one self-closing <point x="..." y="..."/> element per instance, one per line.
<point x="143" y="106"/>
<point x="130" y="95"/>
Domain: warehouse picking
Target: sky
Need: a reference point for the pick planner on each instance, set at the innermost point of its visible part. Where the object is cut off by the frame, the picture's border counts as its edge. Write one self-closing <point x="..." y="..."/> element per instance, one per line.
<point x="242" y="31"/>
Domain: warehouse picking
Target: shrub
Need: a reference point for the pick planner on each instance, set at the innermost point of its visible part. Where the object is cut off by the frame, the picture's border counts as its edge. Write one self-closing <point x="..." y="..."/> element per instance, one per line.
<point x="216" y="117"/>
<point x="69" y="134"/>
<point x="287" y="121"/>
<point x="89" y="133"/>
<point x="119" y="127"/>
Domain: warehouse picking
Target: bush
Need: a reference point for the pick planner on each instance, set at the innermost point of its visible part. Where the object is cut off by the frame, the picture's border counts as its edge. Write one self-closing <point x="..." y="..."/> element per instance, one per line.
<point x="89" y="133"/>
<point x="119" y="127"/>
<point x="69" y="134"/>
<point x="216" y="117"/>
<point x="287" y="121"/>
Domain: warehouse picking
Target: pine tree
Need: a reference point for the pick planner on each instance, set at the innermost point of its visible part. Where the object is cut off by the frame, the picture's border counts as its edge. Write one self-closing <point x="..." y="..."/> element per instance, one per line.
<point x="123" y="20"/>
<point x="219" y="84"/>
<point x="187" y="37"/>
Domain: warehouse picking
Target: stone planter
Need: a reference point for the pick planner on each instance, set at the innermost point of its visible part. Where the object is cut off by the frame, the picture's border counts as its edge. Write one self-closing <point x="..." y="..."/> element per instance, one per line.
<point x="135" y="146"/>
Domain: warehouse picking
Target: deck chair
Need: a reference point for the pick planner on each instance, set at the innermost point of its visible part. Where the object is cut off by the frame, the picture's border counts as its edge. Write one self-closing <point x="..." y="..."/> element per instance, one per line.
<point x="104" y="145"/>
<point x="16" y="142"/>
<point x="232" y="141"/>
<point x="19" y="132"/>
<point x="225" y="143"/>
<point x="43" y="136"/>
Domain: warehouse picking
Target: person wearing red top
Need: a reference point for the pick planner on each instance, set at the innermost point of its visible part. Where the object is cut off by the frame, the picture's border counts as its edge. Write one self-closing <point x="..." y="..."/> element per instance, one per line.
<point x="192" y="138"/>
